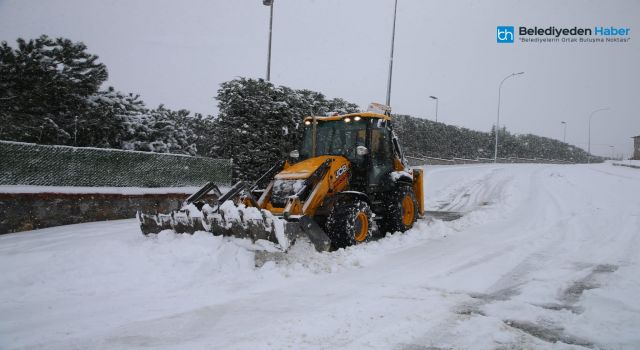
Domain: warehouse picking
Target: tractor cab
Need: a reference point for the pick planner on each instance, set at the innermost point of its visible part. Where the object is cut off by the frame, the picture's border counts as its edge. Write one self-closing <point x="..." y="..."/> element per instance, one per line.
<point x="366" y="139"/>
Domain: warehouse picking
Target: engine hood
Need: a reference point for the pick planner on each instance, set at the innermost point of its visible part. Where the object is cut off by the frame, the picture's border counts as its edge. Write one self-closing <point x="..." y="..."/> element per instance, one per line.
<point x="305" y="168"/>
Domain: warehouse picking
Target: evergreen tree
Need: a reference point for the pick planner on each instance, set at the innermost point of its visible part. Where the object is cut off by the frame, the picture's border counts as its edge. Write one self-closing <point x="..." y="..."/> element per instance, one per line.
<point x="44" y="86"/>
<point x="259" y="123"/>
<point x="253" y="124"/>
<point x="50" y="94"/>
<point x="160" y="130"/>
<point x="104" y="122"/>
<point x="203" y="128"/>
<point x="420" y="137"/>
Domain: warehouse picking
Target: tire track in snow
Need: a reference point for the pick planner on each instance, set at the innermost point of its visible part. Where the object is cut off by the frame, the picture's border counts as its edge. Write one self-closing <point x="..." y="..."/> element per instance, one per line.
<point x="513" y="279"/>
<point x="548" y="235"/>
<point x="559" y="250"/>
<point x="469" y="194"/>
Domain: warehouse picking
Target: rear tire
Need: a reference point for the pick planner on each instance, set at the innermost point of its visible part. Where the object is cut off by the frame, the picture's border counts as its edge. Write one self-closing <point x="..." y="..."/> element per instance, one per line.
<point x="402" y="210"/>
<point x="349" y="223"/>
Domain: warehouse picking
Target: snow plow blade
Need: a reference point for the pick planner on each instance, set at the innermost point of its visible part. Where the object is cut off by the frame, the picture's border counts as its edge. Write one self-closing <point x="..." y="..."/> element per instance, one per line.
<point x="243" y="226"/>
<point x="216" y="223"/>
<point x="225" y="218"/>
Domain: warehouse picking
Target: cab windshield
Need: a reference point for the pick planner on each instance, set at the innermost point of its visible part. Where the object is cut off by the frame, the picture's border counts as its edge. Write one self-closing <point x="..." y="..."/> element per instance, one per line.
<point x="335" y="137"/>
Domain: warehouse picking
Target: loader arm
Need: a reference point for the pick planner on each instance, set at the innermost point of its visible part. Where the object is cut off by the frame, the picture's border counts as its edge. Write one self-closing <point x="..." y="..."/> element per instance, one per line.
<point x="310" y="193"/>
<point x="267" y="177"/>
<point x="210" y="186"/>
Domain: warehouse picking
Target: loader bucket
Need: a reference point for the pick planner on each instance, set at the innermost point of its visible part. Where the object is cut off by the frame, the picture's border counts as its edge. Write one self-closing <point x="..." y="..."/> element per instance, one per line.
<point x="224" y="218"/>
<point x="240" y="222"/>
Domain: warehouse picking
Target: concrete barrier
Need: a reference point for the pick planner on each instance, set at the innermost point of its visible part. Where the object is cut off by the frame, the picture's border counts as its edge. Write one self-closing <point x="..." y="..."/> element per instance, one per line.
<point x="40" y="184"/>
<point x="29" y="211"/>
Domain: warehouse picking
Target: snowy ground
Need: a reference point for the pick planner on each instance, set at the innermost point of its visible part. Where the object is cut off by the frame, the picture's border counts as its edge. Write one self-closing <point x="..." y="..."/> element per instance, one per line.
<point x="547" y="257"/>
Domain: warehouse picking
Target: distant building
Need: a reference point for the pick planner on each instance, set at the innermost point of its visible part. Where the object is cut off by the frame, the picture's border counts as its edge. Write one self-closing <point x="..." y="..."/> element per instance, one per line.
<point x="636" y="147"/>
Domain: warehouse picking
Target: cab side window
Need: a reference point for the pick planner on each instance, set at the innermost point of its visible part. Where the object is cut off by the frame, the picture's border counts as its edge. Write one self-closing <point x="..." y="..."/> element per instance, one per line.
<point x="381" y="153"/>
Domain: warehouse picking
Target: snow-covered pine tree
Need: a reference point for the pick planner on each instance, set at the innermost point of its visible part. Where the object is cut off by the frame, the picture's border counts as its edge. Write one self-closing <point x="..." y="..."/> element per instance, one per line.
<point x="44" y="84"/>
<point x="259" y="123"/>
<point x="50" y="93"/>
<point x="251" y="125"/>
<point x="159" y="130"/>
<point x="103" y="123"/>
<point x="203" y="128"/>
<point x="421" y="137"/>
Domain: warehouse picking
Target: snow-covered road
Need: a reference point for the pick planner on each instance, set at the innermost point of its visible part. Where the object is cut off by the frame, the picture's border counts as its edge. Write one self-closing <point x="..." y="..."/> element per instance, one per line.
<point x="546" y="257"/>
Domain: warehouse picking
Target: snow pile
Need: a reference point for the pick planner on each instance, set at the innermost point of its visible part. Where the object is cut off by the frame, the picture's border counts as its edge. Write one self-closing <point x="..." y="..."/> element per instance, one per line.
<point x="302" y="258"/>
<point x="231" y="212"/>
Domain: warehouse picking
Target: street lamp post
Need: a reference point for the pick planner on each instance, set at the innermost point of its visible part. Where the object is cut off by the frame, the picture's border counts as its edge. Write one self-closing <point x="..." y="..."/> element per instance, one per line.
<point x="589" y="142"/>
<point x="495" y="151"/>
<point x="564" y="133"/>
<point x="393" y="37"/>
<point x="613" y="148"/>
<point x="435" y="98"/>
<point x="270" y="4"/>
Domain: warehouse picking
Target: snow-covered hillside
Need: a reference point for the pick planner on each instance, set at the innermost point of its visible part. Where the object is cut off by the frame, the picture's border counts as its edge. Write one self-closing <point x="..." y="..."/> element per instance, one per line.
<point x="546" y="257"/>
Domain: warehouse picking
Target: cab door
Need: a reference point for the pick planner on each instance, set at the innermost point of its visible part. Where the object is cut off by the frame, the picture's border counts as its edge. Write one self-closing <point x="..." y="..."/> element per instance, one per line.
<point x="381" y="152"/>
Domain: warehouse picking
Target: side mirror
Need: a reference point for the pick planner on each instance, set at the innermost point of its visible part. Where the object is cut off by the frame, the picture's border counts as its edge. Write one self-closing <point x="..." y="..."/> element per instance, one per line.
<point x="362" y="150"/>
<point x="294" y="154"/>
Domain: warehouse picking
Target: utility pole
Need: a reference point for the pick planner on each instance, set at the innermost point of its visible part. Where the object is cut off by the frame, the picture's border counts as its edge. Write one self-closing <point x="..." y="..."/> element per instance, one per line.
<point x="589" y="142"/>
<point x="393" y="37"/>
<point x="564" y="133"/>
<point x="435" y="98"/>
<point x="270" y="4"/>
<point x="495" y="151"/>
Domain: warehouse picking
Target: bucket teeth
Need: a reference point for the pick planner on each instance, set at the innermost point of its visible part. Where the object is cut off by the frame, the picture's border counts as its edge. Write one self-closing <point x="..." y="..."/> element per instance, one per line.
<point x="153" y="223"/>
<point x="164" y="220"/>
<point x="232" y="222"/>
<point x="182" y="222"/>
<point x="261" y="228"/>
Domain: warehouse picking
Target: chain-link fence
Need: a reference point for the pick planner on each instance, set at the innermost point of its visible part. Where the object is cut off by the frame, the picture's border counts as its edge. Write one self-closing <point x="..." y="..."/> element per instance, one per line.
<point x="43" y="165"/>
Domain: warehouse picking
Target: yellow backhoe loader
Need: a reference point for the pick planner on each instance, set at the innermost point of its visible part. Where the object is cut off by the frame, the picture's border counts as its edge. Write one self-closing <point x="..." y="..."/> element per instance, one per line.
<point x="347" y="182"/>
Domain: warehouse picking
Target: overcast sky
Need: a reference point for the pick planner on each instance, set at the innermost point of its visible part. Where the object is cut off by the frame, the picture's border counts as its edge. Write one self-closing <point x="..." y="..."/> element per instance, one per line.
<point x="178" y="52"/>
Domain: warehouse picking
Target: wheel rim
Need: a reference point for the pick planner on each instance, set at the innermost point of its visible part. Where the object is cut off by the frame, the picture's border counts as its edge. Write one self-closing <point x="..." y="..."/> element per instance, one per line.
<point x="408" y="210"/>
<point x="361" y="227"/>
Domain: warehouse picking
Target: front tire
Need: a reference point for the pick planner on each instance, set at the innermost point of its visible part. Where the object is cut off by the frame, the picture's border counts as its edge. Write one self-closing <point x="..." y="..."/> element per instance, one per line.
<point x="349" y="223"/>
<point x="402" y="210"/>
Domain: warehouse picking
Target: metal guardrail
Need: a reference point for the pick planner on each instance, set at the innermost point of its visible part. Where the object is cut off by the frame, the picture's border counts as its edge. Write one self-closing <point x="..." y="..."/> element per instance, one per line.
<point x="46" y="165"/>
<point x="627" y="165"/>
<point x="422" y="160"/>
